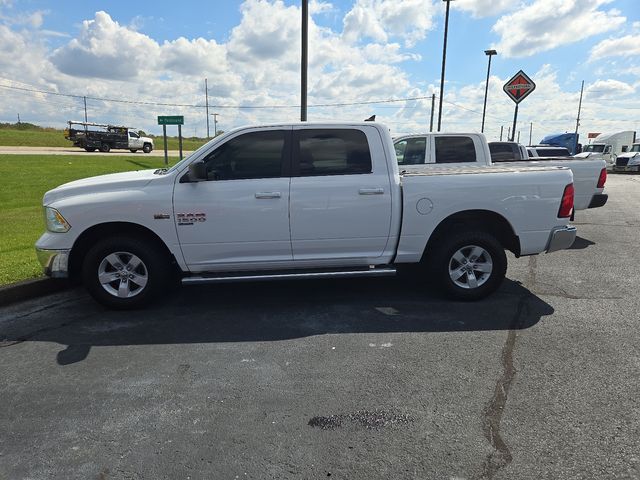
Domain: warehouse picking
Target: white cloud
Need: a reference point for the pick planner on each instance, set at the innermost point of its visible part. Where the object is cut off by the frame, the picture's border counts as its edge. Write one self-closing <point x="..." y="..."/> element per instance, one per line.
<point x="105" y="49"/>
<point x="609" y="88"/>
<point x="547" y="24"/>
<point x="485" y="8"/>
<point x="381" y="20"/>
<point x="626" y="46"/>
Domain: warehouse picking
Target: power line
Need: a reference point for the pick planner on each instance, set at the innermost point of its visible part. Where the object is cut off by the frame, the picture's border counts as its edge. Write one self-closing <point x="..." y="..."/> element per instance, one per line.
<point x="189" y="105"/>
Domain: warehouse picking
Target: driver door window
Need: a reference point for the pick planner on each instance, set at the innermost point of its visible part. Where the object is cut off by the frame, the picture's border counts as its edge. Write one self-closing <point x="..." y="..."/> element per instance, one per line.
<point x="252" y="155"/>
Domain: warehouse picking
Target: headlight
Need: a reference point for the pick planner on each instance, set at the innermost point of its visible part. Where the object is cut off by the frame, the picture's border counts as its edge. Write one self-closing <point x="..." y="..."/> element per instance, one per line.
<point x="55" y="221"/>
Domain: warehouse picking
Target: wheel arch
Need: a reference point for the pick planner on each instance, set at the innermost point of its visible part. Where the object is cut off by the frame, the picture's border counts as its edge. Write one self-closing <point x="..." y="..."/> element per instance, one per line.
<point x="480" y="220"/>
<point x="109" y="229"/>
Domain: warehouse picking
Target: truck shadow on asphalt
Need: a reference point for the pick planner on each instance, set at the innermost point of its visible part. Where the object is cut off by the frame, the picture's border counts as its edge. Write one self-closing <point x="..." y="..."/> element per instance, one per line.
<point x="581" y="243"/>
<point x="258" y="312"/>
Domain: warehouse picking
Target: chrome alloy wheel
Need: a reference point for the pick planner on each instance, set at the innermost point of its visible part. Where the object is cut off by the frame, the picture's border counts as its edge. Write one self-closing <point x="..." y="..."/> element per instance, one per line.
<point x="470" y="267"/>
<point x="123" y="274"/>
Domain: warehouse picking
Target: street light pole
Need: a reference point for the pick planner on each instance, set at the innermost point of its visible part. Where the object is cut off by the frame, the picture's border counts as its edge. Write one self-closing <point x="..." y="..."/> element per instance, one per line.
<point x="489" y="53"/>
<point x="444" y="60"/>
<point x="304" y="60"/>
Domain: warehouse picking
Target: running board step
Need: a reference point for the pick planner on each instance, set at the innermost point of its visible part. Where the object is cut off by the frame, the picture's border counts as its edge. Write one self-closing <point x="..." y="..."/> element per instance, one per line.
<point x="372" y="272"/>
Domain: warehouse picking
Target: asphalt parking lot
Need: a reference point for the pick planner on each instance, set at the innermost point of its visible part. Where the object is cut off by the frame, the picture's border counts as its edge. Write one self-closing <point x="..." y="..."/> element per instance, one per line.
<point x="346" y="379"/>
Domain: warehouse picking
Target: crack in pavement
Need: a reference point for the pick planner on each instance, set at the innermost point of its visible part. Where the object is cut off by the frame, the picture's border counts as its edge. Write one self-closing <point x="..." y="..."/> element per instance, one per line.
<point x="28" y="336"/>
<point x="492" y="415"/>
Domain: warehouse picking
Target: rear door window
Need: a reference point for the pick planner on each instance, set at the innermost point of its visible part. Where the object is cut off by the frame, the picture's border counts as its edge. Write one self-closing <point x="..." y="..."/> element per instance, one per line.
<point x="331" y="152"/>
<point x="411" y="151"/>
<point x="501" y="152"/>
<point x="454" y="149"/>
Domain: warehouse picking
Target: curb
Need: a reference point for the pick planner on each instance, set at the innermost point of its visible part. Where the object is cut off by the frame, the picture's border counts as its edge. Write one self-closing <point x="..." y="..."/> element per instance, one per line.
<point x="27" y="289"/>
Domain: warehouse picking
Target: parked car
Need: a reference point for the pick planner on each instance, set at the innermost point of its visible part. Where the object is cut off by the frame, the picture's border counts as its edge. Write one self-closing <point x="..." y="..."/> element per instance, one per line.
<point x="548" y="151"/>
<point x="104" y="137"/>
<point x="435" y="150"/>
<point x="295" y="201"/>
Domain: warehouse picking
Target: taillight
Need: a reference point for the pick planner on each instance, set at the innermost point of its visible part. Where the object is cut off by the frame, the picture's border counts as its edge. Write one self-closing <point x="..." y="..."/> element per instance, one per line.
<point x="566" y="206"/>
<point x="603" y="178"/>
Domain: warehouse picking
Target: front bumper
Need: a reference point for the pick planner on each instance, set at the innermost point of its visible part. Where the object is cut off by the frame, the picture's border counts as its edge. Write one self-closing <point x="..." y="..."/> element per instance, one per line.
<point x="54" y="262"/>
<point x="626" y="168"/>
<point x="598" y="200"/>
<point x="561" y="238"/>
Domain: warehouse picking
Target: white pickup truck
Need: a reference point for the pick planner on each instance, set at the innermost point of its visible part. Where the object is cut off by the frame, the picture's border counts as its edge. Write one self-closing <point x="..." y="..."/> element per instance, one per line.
<point x="292" y="201"/>
<point x="437" y="150"/>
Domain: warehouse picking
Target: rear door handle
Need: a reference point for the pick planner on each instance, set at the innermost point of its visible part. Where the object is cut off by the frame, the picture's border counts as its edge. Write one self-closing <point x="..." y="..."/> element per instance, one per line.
<point x="371" y="191"/>
<point x="268" y="194"/>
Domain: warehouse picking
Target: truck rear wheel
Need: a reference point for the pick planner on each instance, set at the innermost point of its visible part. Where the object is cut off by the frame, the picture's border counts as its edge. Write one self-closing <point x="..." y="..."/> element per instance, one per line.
<point x="105" y="147"/>
<point x="90" y="149"/>
<point x="469" y="265"/>
<point x="146" y="148"/>
<point x="125" y="272"/>
<point x="133" y="150"/>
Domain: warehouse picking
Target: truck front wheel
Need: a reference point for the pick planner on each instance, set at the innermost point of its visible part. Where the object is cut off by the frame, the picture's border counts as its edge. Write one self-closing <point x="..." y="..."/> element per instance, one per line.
<point x="146" y="148"/>
<point x="125" y="272"/>
<point x="105" y="147"/>
<point x="469" y="265"/>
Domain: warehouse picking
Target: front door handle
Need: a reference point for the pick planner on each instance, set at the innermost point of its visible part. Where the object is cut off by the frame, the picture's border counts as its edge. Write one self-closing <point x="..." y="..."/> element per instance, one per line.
<point x="371" y="191"/>
<point x="268" y="194"/>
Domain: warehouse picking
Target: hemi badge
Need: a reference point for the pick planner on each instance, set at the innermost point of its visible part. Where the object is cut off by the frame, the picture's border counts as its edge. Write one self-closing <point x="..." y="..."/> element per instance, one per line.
<point x="161" y="216"/>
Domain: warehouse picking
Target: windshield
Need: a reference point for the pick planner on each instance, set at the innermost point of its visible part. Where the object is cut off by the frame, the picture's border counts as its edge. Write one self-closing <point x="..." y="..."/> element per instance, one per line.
<point x="596" y="147"/>
<point x="635" y="148"/>
<point x="187" y="158"/>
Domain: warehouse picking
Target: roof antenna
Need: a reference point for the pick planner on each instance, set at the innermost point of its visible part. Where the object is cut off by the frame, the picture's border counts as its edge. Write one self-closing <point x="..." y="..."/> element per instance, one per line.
<point x="372" y="118"/>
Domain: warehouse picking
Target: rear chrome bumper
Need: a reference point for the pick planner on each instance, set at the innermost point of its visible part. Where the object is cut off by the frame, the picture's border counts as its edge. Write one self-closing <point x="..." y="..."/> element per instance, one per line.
<point x="55" y="263"/>
<point x="561" y="238"/>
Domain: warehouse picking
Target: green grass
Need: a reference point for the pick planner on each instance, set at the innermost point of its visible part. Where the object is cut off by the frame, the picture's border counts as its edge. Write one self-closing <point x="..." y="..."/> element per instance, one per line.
<point x="25" y="180"/>
<point x="48" y="137"/>
<point x="33" y="138"/>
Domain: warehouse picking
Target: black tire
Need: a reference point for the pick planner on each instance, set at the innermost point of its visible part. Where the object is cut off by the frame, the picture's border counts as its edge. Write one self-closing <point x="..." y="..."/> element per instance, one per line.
<point x="133" y="150"/>
<point x="147" y="148"/>
<point x="154" y="269"/>
<point x="105" y="147"/>
<point x="444" y="263"/>
<point x="90" y="149"/>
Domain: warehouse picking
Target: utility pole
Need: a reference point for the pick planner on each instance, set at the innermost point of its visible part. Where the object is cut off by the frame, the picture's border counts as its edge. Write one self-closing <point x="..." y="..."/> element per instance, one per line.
<point x="433" y="106"/>
<point x="304" y="60"/>
<point x="530" y="133"/>
<point x="444" y="60"/>
<point x="206" y="99"/>
<point x="575" y="146"/>
<point x="518" y="136"/>
<point x="501" y="131"/>
<point x="85" y="113"/>
<point x="489" y="53"/>
<point x="18" y="118"/>
<point x="215" y="124"/>
<point x="509" y="134"/>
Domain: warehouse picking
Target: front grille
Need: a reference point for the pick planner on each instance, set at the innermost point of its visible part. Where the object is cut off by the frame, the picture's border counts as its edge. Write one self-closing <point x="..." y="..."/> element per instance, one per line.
<point x="621" y="162"/>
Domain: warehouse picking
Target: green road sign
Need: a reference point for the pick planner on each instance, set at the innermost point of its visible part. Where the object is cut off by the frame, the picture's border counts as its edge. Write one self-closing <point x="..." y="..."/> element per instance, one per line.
<point x="171" y="120"/>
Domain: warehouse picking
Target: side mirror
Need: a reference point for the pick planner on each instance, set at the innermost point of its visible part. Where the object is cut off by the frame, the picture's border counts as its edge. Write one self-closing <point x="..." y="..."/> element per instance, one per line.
<point x="197" y="172"/>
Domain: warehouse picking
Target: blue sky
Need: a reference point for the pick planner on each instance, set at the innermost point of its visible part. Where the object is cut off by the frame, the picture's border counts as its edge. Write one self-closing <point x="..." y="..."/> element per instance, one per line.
<point x="361" y="50"/>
